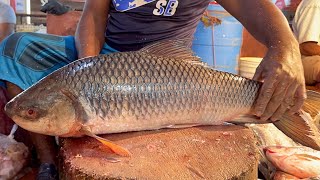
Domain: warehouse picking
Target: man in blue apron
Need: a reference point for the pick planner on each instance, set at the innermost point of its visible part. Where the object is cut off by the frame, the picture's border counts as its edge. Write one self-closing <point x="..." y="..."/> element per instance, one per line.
<point x="123" y="25"/>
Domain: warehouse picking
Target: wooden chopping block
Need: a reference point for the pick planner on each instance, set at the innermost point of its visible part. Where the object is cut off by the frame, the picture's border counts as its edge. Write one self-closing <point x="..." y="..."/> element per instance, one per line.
<point x="206" y="152"/>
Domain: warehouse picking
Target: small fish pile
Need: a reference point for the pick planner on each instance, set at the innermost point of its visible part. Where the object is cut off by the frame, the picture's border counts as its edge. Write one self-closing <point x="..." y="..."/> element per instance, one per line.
<point x="160" y="86"/>
<point x="13" y="156"/>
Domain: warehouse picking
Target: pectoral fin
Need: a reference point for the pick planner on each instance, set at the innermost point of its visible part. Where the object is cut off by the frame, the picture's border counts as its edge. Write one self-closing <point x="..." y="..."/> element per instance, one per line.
<point x="114" y="147"/>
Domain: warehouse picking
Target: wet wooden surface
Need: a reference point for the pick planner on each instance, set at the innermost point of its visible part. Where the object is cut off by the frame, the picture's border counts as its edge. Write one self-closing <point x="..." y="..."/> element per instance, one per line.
<point x="207" y="152"/>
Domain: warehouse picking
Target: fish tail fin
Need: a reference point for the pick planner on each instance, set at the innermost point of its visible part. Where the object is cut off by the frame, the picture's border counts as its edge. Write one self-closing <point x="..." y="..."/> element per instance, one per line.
<point x="114" y="147"/>
<point x="312" y="106"/>
<point x="301" y="126"/>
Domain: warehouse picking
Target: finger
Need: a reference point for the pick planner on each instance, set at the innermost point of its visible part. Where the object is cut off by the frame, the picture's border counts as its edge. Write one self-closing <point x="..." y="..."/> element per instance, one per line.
<point x="287" y="102"/>
<point x="300" y="96"/>
<point x="258" y="74"/>
<point x="276" y="99"/>
<point x="265" y="95"/>
<point x="279" y="112"/>
<point x="289" y="97"/>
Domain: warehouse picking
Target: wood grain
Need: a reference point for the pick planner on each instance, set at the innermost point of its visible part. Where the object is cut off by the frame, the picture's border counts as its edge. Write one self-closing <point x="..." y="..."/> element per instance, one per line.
<point x="206" y="152"/>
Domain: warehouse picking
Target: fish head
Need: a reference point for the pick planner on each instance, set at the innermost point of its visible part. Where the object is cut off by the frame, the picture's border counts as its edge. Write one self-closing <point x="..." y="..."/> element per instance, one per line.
<point x="279" y="151"/>
<point x="283" y="158"/>
<point x="300" y="161"/>
<point x="276" y="154"/>
<point x="274" y="150"/>
<point x="43" y="109"/>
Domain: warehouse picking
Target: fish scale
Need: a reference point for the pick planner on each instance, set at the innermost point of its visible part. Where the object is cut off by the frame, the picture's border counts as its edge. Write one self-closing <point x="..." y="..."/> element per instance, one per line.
<point x="174" y="90"/>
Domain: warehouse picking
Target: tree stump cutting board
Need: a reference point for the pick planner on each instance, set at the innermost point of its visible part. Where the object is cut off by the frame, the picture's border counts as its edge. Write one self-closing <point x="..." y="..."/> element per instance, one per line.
<point x="205" y="152"/>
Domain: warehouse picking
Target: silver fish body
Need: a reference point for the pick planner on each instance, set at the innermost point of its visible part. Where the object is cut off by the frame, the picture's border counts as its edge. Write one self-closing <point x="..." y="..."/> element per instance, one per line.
<point x="132" y="91"/>
<point x="162" y="85"/>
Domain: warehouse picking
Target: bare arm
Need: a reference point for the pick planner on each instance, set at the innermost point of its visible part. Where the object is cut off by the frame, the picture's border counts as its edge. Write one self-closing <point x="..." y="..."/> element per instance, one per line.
<point x="281" y="69"/>
<point x="91" y="28"/>
<point x="262" y="19"/>
<point x="310" y="48"/>
<point x="5" y="30"/>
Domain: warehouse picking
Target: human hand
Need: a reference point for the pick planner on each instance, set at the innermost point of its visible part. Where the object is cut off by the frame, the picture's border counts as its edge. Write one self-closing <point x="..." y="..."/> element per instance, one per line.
<point x="283" y="88"/>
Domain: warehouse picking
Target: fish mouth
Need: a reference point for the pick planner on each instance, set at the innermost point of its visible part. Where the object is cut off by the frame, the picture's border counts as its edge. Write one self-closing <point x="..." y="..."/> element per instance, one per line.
<point x="266" y="150"/>
<point x="9" y="109"/>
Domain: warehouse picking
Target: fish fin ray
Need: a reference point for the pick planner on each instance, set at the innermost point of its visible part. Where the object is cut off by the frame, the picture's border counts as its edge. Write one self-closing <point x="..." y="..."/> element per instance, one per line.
<point x="307" y="157"/>
<point x="304" y="127"/>
<point x="172" y="48"/>
<point x="114" y="147"/>
<point x="312" y="106"/>
<point x="300" y="128"/>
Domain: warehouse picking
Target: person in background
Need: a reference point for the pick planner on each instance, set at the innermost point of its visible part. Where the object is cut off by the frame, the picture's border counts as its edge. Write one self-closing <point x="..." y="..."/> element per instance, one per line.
<point x="7" y="23"/>
<point x="7" y="27"/>
<point x="108" y="26"/>
<point x="7" y="20"/>
<point x="306" y="28"/>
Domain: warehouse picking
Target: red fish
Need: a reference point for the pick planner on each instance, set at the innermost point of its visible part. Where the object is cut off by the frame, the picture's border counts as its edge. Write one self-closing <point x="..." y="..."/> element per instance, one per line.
<point x="301" y="162"/>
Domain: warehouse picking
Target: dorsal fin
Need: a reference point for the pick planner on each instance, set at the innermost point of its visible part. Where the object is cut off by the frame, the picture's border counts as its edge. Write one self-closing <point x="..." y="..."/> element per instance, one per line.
<point x="172" y="48"/>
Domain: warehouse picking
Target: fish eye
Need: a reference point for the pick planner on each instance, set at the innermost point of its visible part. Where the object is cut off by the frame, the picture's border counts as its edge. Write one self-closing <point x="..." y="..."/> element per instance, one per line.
<point x="31" y="113"/>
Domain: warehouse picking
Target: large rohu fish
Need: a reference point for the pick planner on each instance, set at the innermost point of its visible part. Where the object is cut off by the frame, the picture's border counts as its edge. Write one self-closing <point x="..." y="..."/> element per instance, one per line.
<point x="160" y="86"/>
